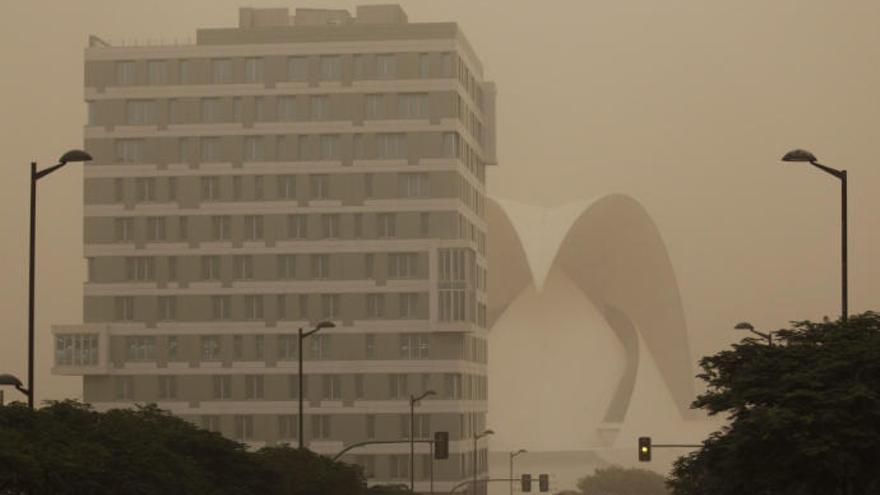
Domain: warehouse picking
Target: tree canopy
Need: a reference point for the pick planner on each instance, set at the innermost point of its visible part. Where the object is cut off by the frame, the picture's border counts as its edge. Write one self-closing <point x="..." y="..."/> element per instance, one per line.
<point x="804" y="414"/>
<point x="616" y="480"/>
<point x="68" y="448"/>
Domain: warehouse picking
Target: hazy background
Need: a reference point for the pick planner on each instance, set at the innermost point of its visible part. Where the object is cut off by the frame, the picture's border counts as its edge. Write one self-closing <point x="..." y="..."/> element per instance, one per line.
<point x="686" y="105"/>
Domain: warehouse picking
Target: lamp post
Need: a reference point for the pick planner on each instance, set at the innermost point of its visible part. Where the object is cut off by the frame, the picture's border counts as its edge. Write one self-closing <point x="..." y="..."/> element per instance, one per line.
<point x="805" y="156"/>
<point x="13" y="380"/>
<point x="512" y="455"/>
<point x="748" y="326"/>
<point x="412" y="436"/>
<point x="485" y="433"/>
<point x="299" y="352"/>
<point x="70" y="156"/>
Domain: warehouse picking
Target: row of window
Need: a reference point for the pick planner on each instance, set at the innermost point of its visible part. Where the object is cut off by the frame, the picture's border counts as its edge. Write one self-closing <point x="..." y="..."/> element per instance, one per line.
<point x="298" y="68"/>
<point x="332" y="387"/>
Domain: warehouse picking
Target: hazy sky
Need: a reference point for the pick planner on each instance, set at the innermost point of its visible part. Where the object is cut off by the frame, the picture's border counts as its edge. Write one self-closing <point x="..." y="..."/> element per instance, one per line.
<point x="686" y="105"/>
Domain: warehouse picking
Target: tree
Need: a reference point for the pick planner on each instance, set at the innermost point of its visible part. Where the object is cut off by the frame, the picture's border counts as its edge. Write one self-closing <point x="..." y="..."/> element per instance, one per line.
<point x="616" y="480"/>
<point x="804" y="414"/>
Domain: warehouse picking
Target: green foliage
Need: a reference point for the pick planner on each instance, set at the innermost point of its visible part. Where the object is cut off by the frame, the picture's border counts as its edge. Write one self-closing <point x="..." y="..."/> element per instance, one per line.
<point x="68" y="448"/>
<point x="804" y="414"/>
<point x="616" y="480"/>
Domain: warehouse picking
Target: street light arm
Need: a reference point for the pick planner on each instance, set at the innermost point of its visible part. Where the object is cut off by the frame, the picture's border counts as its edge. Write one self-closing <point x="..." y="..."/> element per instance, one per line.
<point x="762" y="334"/>
<point x="832" y="171"/>
<point x="310" y="332"/>
<point x="46" y="171"/>
<point x="23" y="390"/>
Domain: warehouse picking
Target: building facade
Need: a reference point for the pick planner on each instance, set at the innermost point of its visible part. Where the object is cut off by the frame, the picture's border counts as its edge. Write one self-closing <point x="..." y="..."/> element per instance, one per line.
<point x="298" y="168"/>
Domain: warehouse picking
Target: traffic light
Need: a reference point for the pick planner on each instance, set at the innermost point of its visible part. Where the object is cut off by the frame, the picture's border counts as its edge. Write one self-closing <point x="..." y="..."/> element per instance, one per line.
<point x="644" y="449"/>
<point x="526" y="483"/>
<point x="441" y="445"/>
<point x="544" y="482"/>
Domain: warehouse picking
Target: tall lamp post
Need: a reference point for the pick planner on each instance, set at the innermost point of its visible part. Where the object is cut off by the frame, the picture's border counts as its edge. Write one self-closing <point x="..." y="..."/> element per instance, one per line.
<point x="485" y="433"/>
<point x="70" y="156"/>
<point x="805" y="156"/>
<point x="512" y="455"/>
<point x="299" y="352"/>
<point x="412" y="436"/>
<point x="748" y="326"/>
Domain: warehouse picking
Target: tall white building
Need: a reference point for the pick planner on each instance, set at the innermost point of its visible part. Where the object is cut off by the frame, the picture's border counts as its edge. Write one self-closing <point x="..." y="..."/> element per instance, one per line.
<point x="297" y="168"/>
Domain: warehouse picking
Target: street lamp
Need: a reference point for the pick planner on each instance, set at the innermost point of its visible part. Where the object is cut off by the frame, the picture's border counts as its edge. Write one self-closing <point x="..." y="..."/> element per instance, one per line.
<point x="412" y="437"/>
<point x="6" y="379"/>
<point x="485" y="433"/>
<point x="70" y="156"/>
<point x="806" y="156"/>
<point x="748" y="326"/>
<point x="299" y="351"/>
<point x="512" y="455"/>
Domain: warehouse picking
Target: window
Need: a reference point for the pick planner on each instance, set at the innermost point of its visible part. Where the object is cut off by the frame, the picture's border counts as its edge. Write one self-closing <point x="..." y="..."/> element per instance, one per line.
<point x="453" y="267"/>
<point x="297" y="226"/>
<point x="139" y="269"/>
<point x="125" y="73"/>
<point x="167" y="308"/>
<point x="375" y="306"/>
<point x="210" y="347"/>
<point x="124" y="308"/>
<point x="156" y="72"/>
<point x="254" y="150"/>
<point x="360" y="151"/>
<point x="303" y="304"/>
<point x="211" y="423"/>
<point x="330" y="225"/>
<point x="145" y="189"/>
<point x="331" y="387"/>
<point x="173" y="348"/>
<point x="414" y="185"/>
<point x="129" y="150"/>
<point x="183" y="150"/>
<point x="236" y="187"/>
<point x="210" y="267"/>
<point x="387" y="224"/>
<point x="329" y="147"/>
<point x="424" y="224"/>
<point x="222" y="387"/>
<point x="221" y="228"/>
<point x="253" y="69"/>
<point x="140" y="348"/>
<point x="412" y="105"/>
<point x="424" y="65"/>
<point x="253" y="386"/>
<point x="167" y="387"/>
<point x="414" y="346"/>
<point x="452" y="386"/>
<point x="286" y="266"/>
<point x="321" y="426"/>
<point x="370" y="346"/>
<point x="402" y="265"/>
<point x="259" y="343"/>
<point x="140" y="112"/>
<point x="297" y="69"/>
<point x="237" y="347"/>
<point x="259" y="190"/>
<point x="398" y="386"/>
<point x="331" y="68"/>
<point x="287" y="426"/>
<point x="371" y="425"/>
<point x="124" y="228"/>
<point x="287" y="186"/>
<point x="407" y="305"/>
<point x="303" y="148"/>
<point x="421" y="427"/>
<point x="172" y="188"/>
<point x="450" y="145"/>
<point x="287" y="108"/>
<point x="156" y="229"/>
<point x="320" y="266"/>
<point x="447" y="65"/>
<point x="287" y="347"/>
<point x="386" y="67"/>
<point x="359" y="66"/>
<point x="253" y="227"/>
<point x="320" y="107"/>
<point x="76" y="350"/>
<point x="399" y="467"/>
<point x="320" y="186"/>
<point x="244" y="267"/>
<point x="358" y="386"/>
<point x="358" y="225"/>
<point x="281" y="307"/>
<point x="124" y="387"/>
<point x="221" y="70"/>
<point x="329" y="308"/>
<point x="236" y="110"/>
<point x="220" y="307"/>
<point x="244" y="427"/>
<point x="368" y="185"/>
<point x="253" y="307"/>
<point x="184" y="71"/>
<point x="374" y="106"/>
<point x="209" y="149"/>
<point x="210" y="188"/>
<point x="391" y="146"/>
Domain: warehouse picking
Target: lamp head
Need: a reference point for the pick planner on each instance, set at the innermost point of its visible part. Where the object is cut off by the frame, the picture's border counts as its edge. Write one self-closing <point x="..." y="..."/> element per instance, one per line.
<point x="75" y="156"/>
<point x="799" y="155"/>
<point x="744" y="326"/>
<point x="325" y="324"/>
<point x="7" y="379"/>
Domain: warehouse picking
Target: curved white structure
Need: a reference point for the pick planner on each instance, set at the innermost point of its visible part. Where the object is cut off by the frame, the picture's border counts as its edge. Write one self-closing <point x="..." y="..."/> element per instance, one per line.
<point x="585" y="319"/>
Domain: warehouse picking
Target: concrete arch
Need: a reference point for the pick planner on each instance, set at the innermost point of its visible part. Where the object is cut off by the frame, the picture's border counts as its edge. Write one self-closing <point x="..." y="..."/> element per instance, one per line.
<point x="611" y="249"/>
